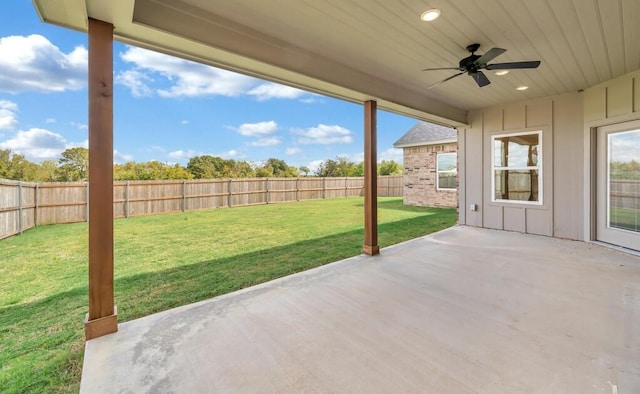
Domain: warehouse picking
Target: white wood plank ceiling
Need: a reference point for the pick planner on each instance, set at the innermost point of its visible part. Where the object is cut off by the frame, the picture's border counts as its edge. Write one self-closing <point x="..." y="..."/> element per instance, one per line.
<point x="360" y="49"/>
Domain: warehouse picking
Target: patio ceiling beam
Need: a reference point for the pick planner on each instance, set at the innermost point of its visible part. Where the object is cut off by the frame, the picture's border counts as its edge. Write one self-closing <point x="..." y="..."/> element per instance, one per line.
<point x="370" y="180"/>
<point x="102" y="317"/>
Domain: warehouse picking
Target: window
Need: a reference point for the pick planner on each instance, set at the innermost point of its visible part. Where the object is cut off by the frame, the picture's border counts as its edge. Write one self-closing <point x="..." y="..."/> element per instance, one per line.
<point x="517" y="167"/>
<point x="446" y="171"/>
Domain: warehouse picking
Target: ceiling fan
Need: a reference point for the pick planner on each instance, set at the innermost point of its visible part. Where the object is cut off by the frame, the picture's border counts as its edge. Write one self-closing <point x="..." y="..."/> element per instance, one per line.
<point x="474" y="63"/>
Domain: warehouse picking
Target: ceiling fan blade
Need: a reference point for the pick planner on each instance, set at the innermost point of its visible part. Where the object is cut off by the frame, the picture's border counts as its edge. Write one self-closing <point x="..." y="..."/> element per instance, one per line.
<point x="489" y="56"/>
<point x="445" y="80"/>
<point x="514" y="65"/>
<point x="480" y="78"/>
<point x="442" y="68"/>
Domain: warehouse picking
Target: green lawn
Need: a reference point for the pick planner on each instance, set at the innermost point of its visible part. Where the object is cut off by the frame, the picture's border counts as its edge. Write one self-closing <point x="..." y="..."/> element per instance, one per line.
<point x="166" y="261"/>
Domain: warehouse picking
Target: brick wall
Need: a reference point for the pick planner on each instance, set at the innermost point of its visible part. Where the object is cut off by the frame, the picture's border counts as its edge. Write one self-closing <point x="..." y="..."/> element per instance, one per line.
<point x="420" y="177"/>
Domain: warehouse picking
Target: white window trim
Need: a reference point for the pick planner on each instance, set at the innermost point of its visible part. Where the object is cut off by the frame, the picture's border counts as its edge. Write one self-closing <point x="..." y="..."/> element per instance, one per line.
<point x="444" y="189"/>
<point x="539" y="167"/>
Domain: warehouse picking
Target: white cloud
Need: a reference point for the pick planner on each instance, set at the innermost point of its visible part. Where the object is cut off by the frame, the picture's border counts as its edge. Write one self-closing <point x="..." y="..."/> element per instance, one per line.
<point x="257" y="129"/>
<point x="50" y="120"/>
<point x="39" y="144"/>
<point x="293" y="151"/>
<point x="182" y="154"/>
<point x="33" y="63"/>
<point x="354" y="157"/>
<point x="312" y="99"/>
<point x="269" y="141"/>
<point x="324" y="134"/>
<point x="230" y="154"/>
<point x="8" y="117"/>
<point x="270" y="90"/>
<point x="314" y="165"/>
<point x="120" y="158"/>
<point x="80" y="126"/>
<point x="190" y="79"/>
<point x="156" y="148"/>
<point x="136" y="81"/>
<point x="391" y="154"/>
<point x="184" y="121"/>
<point x="626" y="146"/>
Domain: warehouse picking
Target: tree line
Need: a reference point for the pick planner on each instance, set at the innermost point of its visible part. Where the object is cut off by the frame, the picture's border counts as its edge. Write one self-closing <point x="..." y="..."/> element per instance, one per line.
<point x="73" y="165"/>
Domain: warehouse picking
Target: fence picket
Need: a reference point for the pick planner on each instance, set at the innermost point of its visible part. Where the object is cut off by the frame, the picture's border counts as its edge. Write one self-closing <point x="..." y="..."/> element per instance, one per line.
<point x="68" y="202"/>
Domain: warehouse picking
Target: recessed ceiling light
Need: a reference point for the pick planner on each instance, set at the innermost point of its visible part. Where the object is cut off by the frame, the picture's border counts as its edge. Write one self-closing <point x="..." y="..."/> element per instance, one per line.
<point x="502" y="72"/>
<point x="523" y="87"/>
<point x="430" y="15"/>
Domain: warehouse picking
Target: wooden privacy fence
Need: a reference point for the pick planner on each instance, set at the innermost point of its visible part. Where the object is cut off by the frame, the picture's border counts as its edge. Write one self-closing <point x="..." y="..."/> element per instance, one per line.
<point x="24" y="205"/>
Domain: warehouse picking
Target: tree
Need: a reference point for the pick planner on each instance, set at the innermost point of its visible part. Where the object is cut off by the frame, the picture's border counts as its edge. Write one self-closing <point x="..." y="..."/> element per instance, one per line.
<point x="46" y="171"/>
<point x="341" y="166"/>
<point x="150" y="170"/>
<point x="357" y="170"/>
<point x="389" y="167"/>
<point x="242" y="169"/>
<point x="276" y="168"/>
<point x="207" y="167"/>
<point x="15" y="166"/>
<point x="304" y="169"/>
<point x="74" y="164"/>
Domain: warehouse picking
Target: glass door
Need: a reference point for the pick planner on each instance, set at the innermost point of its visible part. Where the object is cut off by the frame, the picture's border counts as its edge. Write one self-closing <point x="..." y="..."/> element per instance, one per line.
<point x="618" y="185"/>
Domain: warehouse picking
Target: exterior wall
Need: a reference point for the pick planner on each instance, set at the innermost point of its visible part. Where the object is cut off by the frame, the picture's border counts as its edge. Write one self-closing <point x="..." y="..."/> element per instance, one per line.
<point x="561" y="213"/>
<point x="420" y="177"/>
<point x="615" y="101"/>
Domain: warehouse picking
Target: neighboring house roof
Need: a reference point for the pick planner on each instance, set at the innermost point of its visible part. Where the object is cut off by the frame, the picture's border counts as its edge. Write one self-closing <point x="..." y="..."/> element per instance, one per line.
<point x="425" y="133"/>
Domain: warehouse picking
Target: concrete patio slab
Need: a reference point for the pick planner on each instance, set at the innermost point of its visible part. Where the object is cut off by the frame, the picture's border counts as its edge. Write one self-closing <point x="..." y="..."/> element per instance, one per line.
<point x="461" y="311"/>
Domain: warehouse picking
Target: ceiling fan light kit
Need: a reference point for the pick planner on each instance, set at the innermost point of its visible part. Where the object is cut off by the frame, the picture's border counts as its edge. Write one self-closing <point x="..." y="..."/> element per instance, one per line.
<point x="473" y="64"/>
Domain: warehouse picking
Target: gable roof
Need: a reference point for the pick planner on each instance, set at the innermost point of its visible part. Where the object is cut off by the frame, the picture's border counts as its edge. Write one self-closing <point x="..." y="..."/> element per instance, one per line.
<point x="424" y="133"/>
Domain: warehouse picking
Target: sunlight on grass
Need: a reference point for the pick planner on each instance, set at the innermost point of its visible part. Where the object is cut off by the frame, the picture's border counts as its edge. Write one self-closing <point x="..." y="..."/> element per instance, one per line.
<point x="166" y="261"/>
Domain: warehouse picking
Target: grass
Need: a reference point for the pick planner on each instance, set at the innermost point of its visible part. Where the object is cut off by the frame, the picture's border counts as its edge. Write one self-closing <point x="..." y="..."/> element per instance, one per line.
<point x="166" y="261"/>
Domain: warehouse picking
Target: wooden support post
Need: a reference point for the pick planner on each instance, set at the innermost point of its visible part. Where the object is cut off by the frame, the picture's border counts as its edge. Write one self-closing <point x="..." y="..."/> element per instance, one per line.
<point x="370" y="246"/>
<point x="102" y="318"/>
<point x="230" y="191"/>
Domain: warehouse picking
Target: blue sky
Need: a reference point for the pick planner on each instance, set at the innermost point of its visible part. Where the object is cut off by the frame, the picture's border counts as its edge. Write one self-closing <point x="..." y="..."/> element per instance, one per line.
<point x="165" y="108"/>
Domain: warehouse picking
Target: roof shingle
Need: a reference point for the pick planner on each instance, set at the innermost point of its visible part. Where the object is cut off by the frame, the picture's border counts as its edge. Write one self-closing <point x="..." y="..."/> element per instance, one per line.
<point x="424" y="133"/>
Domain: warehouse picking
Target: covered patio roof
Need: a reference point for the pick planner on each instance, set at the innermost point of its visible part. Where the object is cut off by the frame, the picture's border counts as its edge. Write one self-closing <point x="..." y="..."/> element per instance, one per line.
<point x="376" y="50"/>
<point x="486" y="311"/>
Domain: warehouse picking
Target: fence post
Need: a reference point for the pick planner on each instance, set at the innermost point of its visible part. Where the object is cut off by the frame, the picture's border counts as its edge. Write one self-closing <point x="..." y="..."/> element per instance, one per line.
<point x="86" y="199"/>
<point x="267" y="188"/>
<point x="20" y="207"/>
<point x="297" y="189"/>
<point x="127" y="197"/>
<point x="230" y="191"/>
<point x="324" y="187"/>
<point x="35" y="203"/>
<point x="184" y="195"/>
<point x="346" y="187"/>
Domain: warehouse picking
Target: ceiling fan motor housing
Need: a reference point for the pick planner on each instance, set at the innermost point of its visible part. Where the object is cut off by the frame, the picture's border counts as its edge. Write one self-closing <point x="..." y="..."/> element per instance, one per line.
<point x="469" y="63"/>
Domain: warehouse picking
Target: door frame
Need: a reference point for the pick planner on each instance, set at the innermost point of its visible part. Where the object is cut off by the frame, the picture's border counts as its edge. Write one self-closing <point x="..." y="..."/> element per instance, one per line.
<point x="602" y="231"/>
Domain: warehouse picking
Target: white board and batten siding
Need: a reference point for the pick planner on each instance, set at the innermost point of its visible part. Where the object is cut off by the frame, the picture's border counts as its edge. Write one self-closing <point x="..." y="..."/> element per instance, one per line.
<point x="568" y="123"/>
<point x="560" y="120"/>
